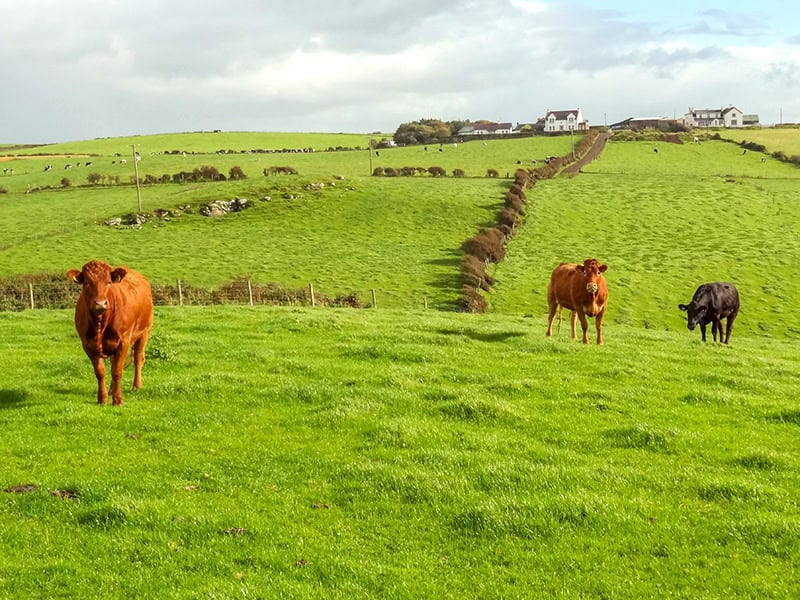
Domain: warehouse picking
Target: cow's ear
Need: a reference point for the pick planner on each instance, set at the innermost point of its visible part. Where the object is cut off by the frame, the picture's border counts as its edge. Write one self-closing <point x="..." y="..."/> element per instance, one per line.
<point x="118" y="274"/>
<point x="580" y="268"/>
<point x="75" y="276"/>
<point x="683" y="307"/>
<point x="603" y="268"/>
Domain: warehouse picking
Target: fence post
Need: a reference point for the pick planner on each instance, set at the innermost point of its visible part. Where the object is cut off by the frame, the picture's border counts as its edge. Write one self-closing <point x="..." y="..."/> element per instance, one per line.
<point x="250" y="291"/>
<point x="180" y="294"/>
<point x="374" y="299"/>
<point x="426" y="303"/>
<point x="311" y="292"/>
<point x="30" y="287"/>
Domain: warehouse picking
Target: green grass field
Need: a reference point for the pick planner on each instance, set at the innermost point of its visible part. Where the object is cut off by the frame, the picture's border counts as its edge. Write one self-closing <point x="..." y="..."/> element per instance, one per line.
<point x="664" y="223"/>
<point x="329" y="453"/>
<point x="285" y="452"/>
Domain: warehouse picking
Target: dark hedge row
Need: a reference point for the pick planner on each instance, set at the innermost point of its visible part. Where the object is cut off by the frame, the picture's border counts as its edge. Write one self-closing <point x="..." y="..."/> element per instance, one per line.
<point x="488" y="246"/>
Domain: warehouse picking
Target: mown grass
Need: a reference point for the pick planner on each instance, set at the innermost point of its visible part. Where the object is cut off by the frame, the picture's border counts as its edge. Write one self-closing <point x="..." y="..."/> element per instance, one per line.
<point x="279" y="452"/>
<point x="664" y="223"/>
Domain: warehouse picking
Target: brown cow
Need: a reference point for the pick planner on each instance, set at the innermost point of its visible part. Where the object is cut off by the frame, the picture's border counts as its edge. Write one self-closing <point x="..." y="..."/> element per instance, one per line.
<point x="114" y="313"/>
<point x="581" y="289"/>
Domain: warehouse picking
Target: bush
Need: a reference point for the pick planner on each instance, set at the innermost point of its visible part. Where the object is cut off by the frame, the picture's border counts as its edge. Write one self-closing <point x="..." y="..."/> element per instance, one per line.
<point x="488" y="245"/>
<point x="471" y="301"/>
<point x="437" y="171"/>
<point x="492" y="173"/>
<point x="458" y="173"/>
<point x="509" y="217"/>
<point x="236" y="173"/>
<point x="65" y="182"/>
<point x="377" y="172"/>
<point x="3" y="190"/>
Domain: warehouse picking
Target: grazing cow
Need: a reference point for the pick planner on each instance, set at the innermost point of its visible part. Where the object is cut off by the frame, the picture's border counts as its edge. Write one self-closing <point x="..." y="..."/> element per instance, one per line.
<point x="711" y="303"/>
<point x="581" y="289"/>
<point x="114" y="313"/>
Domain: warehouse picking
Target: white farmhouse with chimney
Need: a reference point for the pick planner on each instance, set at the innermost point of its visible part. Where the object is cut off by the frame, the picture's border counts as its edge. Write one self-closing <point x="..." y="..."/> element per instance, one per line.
<point x="565" y="120"/>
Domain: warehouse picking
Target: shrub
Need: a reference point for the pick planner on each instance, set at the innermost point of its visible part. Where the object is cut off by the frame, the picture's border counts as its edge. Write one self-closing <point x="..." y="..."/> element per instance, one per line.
<point x="65" y="182"/>
<point x="509" y="217"/>
<point x="487" y="245"/>
<point x="437" y="171"/>
<point x="492" y="173"/>
<point x="94" y="178"/>
<point x="389" y="172"/>
<point x="458" y="173"/>
<point x="236" y="173"/>
<point x="471" y="301"/>
<point x="377" y="172"/>
<point x="3" y="190"/>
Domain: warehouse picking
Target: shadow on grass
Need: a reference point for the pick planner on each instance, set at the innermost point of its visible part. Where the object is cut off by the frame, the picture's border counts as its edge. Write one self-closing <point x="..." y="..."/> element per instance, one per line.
<point x="12" y="398"/>
<point x="481" y="336"/>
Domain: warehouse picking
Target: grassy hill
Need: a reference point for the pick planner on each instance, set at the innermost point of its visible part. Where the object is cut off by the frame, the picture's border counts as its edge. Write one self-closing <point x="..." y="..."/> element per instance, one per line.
<point x="401" y="236"/>
<point x="278" y="452"/>
<point x="666" y="222"/>
<point x="399" y="452"/>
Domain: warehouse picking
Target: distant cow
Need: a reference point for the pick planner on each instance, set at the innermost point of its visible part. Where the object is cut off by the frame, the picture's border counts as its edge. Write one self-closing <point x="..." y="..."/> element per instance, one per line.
<point x="711" y="303"/>
<point x="114" y="313"/>
<point x="581" y="289"/>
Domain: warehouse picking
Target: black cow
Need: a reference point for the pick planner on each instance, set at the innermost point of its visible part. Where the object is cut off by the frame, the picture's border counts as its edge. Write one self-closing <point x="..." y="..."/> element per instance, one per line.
<point x="711" y="303"/>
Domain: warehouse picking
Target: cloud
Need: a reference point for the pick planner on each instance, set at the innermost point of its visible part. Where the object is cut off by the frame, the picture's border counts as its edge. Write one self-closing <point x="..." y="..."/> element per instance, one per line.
<point x="90" y="67"/>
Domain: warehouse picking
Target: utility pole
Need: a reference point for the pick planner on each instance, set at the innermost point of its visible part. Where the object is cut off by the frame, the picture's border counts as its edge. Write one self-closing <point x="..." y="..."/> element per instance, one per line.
<point x="572" y="137"/>
<point x="369" y="144"/>
<point x="136" y="175"/>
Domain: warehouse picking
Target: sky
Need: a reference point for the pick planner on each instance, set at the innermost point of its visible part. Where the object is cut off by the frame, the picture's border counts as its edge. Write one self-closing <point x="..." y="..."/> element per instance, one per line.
<point x="82" y="69"/>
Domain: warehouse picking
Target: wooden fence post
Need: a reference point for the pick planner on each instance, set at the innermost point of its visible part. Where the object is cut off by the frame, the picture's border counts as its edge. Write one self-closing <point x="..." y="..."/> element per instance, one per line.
<point x="30" y="287"/>
<point x="311" y="292"/>
<point x="180" y="294"/>
<point x="250" y="291"/>
<point x="374" y="299"/>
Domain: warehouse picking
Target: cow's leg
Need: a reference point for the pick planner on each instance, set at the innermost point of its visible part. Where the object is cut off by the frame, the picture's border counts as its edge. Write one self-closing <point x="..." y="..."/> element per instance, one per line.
<point x="117" y="367"/>
<point x="573" y="317"/>
<point x="598" y="322"/>
<point x="716" y="328"/>
<point x="99" y="366"/>
<point x="703" y="331"/>
<point x="584" y="326"/>
<point x="728" y="327"/>
<point x="551" y="313"/>
<point x="138" y="360"/>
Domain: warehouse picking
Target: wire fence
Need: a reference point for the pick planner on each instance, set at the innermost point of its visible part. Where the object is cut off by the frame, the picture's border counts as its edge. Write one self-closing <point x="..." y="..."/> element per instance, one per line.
<point x="31" y="294"/>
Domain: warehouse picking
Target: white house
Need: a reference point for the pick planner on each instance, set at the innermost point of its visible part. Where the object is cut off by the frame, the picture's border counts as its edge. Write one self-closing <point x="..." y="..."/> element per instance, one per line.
<point x="714" y="117"/>
<point x="565" y="120"/>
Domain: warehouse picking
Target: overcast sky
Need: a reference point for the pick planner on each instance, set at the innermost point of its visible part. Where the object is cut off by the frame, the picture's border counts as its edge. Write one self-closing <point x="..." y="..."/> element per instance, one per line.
<point x="79" y="69"/>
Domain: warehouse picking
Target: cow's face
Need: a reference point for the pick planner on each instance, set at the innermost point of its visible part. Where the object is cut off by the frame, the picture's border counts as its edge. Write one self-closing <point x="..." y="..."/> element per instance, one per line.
<point x="694" y="314"/>
<point x="96" y="277"/>
<point x="592" y="272"/>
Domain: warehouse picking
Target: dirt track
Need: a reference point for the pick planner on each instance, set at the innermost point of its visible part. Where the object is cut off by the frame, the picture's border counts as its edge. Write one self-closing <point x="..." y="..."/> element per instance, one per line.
<point x="594" y="151"/>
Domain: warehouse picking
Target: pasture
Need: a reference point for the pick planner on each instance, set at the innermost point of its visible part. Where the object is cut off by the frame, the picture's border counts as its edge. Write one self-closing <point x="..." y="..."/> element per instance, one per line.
<point x="333" y="453"/>
<point x="407" y="453"/>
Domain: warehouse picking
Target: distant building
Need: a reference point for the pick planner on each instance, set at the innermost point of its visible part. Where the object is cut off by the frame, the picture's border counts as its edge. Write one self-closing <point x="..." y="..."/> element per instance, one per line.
<point x="750" y="120"/>
<point x="715" y="117"/>
<point x="485" y="128"/>
<point x="565" y="120"/>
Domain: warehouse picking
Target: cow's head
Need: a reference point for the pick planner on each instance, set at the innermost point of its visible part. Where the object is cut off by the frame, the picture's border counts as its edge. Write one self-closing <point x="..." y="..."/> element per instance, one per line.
<point x="592" y="271"/>
<point x="694" y="313"/>
<point x="96" y="277"/>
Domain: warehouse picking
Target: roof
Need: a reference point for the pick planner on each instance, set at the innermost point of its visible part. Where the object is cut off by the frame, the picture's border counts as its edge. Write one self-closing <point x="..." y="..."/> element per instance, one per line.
<point x="561" y="115"/>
